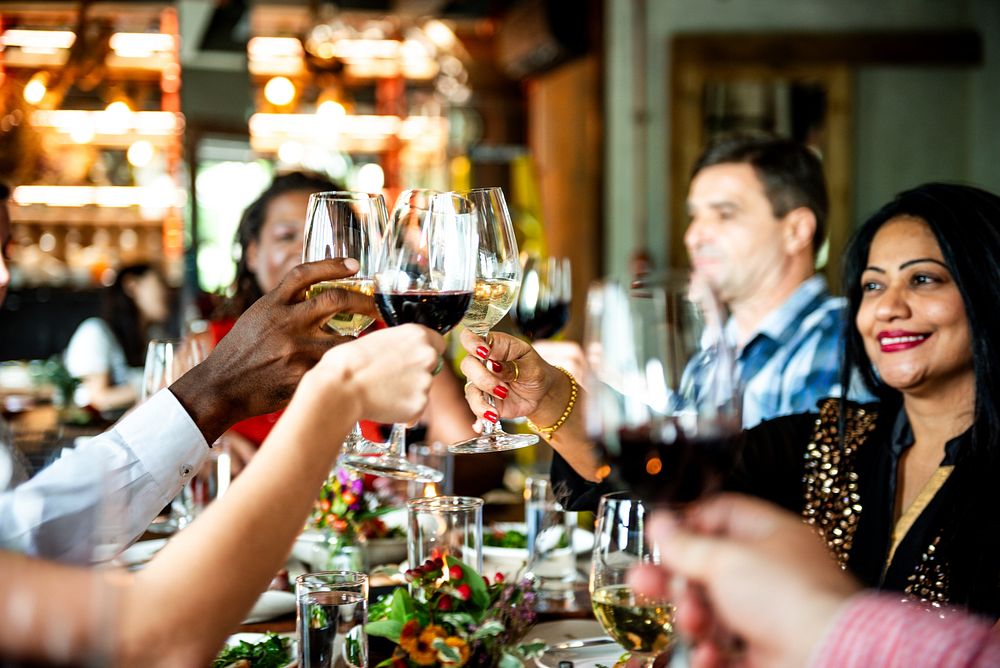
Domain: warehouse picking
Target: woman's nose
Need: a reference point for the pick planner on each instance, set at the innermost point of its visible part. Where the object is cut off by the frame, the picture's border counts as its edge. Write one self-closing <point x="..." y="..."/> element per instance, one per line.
<point x="892" y="304"/>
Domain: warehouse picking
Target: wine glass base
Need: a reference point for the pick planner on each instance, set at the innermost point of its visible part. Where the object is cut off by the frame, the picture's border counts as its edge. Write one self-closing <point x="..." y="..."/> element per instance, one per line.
<point x="388" y="466"/>
<point x="360" y="445"/>
<point x="498" y="441"/>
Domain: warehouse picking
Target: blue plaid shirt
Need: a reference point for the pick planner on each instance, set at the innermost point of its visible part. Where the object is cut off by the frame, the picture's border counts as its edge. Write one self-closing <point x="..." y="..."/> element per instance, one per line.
<point x="793" y="359"/>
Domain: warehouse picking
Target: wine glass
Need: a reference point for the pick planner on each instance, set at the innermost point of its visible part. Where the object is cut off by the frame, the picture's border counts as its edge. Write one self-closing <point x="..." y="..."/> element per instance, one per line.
<point x="426" y="274"/>
<point x="347" y="224"/>
<point x="541" y="309"/>
<point x="498" y="275"/>
<point x="662" y="396"/>
<point x="160" y="369"/>
<point x="643" y="626"/>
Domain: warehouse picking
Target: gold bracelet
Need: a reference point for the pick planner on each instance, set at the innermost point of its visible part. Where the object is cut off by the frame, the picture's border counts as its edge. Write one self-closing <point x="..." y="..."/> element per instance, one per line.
<point x="547" y="432"/>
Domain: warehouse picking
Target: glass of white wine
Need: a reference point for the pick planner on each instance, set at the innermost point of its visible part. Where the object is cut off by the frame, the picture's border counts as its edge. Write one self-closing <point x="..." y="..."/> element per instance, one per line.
<point x="643" y="626"/>
<point x="498" y="276"/>
<point x="347" y="224"/>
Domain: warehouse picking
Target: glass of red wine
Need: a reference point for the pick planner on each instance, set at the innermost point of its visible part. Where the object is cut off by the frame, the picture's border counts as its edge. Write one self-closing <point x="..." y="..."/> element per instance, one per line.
<point x="541" y="309"/>
<point x="426" y="274"/>
<point x="663" y="400"/>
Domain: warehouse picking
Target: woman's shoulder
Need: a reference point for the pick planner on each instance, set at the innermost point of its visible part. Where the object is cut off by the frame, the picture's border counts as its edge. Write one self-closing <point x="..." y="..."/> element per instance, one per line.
<point x="92" y="329"/>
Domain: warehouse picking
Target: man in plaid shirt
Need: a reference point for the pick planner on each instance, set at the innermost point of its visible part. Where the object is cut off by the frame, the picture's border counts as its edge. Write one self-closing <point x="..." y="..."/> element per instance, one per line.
<point x="757" y="208"/>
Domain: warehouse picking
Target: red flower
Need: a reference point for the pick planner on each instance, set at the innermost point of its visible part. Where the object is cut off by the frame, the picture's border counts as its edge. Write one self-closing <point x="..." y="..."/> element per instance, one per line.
<point x="444" y="603"/>
<point x="498" y="578"/>
<point x="455" y="572"/>
<point x="463" y="592"/>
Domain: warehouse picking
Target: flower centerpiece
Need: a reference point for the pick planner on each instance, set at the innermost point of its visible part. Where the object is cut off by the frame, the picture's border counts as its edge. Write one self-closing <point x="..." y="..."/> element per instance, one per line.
<point x="350" y="510"/>
<point x="454" y="617"/>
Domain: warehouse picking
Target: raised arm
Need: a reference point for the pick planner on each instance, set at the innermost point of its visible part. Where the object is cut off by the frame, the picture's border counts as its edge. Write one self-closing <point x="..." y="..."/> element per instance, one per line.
<point x="208" y="576"/>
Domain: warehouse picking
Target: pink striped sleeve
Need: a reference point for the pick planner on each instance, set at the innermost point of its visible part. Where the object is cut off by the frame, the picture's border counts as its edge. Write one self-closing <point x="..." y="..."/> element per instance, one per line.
<point x="879" y="630"/>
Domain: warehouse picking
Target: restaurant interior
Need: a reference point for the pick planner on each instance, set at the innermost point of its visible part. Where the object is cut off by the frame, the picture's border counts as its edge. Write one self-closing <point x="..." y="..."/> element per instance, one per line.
<point x="136" y="140"/>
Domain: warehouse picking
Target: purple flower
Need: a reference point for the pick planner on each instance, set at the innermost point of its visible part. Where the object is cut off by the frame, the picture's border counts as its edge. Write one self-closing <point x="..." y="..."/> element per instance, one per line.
<point x="344" y="477"/>
<point x="357" y="486"/>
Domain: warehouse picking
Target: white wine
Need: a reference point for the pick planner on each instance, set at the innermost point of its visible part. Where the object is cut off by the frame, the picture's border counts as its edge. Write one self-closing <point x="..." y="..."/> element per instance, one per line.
<point x="346" y="324"/>
<point x="491" y="300"/>
<point x="636" y="623"/>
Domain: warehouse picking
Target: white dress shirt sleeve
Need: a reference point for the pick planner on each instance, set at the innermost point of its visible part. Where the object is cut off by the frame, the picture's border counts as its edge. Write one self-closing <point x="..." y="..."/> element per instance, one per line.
<point x="103" y="494"/>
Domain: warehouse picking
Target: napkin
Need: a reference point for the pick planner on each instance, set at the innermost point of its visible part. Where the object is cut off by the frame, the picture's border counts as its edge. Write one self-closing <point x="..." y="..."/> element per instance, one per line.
<point x="271" y="604"/>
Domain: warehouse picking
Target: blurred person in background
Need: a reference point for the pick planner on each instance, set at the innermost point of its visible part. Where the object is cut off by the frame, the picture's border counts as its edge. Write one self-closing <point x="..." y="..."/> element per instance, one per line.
<point x="270" y="239"/>
<point x="107" y="353"/>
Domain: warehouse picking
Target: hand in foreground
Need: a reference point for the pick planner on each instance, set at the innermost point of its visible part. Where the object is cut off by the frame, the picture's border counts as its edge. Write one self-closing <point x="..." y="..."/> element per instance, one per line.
<point x="509" y="357"/>
<point x="757" y="570"/>
<point x="388" y="372"/>
<point x="256" y="367"/>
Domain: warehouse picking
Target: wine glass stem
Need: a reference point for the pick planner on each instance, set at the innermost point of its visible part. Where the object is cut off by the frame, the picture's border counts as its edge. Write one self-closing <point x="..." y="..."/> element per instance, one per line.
<point x="396" y="446"/>
<point x="489" y="427"/>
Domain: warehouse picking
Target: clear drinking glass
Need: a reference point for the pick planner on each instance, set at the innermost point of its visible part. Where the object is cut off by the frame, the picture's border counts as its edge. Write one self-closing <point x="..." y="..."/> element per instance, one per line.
<point x="442" y="526"/>
<point x="643" y="626"/>
<point x="347" y="224"/>
<point x="161" y="368"/>
<point x="541" y="309"/>
<point x="426" y="273"/>
<point x="498" y="275"/>
<point x="331" y="613"/>
<point x="551" y="555"/>
<point x="662" y="395"/>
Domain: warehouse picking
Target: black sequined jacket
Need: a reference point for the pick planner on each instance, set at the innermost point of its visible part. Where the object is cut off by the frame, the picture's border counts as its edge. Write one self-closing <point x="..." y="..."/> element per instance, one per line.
<point x="944" y="550"/>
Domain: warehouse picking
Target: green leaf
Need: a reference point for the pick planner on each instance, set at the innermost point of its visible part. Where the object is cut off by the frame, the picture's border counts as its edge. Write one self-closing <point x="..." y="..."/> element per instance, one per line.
<point x="488" y="629"/>
<point x="401" y="608"/>
<point x="458" y="619"/>
<point x="480" y="597"/>
<point x="508" y="660"/>
<point x="446" y="654"/>
<point x="531" y="650"/>
<point x="385" y="628"/>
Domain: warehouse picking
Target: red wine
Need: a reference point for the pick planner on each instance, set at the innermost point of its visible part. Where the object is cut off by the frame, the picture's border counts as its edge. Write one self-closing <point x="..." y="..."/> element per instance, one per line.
<point x="678" y="470"/>
<point x="540" y="322"/>
<point x="438" y="310"/>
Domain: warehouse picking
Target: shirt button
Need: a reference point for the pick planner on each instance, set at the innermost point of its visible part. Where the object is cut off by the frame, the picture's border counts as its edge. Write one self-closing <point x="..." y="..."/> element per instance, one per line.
<point x="186" y="470"/>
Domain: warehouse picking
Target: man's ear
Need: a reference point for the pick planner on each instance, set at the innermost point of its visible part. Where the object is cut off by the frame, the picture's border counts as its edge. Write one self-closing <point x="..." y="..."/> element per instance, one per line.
<point x="799" y="227"/>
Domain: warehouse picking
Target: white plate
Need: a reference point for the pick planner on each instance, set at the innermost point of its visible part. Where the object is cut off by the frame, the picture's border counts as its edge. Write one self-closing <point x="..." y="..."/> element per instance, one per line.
<point x="583" y="540"/>
<point x="269" y="605"/>
<point x="254" y="638"/>
<point x="510" y="560"/>
<point x="584" y="653"/>
<point x="137" y="555"/>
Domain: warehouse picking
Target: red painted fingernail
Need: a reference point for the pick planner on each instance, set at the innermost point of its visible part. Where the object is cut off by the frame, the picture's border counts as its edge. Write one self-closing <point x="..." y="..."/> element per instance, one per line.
<point x="491" y="416"/>
<point x="483" y="352"/>
<point x="500" y="391"/>
<point x="496" y="366"/>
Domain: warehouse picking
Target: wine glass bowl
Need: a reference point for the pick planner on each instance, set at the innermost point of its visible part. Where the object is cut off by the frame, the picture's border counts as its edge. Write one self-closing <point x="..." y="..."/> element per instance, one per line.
<point x="642" y="625"/>
<point x="347" y="224"/>
<point x="541" y="309"/>
<point x="426" y="274"/>
<point x="663" y="400"/>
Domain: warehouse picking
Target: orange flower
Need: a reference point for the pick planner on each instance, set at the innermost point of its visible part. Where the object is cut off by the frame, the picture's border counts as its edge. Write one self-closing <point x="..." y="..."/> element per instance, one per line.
<point x="461" y="646"/>
<point x="408" y="636"/>
<point x="424" y="654"/>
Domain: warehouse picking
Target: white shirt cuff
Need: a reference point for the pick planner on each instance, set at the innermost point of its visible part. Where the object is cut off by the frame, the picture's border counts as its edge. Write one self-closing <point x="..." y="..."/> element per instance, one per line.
<point x="165" y="440"/>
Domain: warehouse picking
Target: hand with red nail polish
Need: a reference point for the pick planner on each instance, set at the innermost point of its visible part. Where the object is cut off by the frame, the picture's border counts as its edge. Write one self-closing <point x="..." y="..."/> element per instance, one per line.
<point x="508" y="357"/>
<point x="491" y="416"/>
